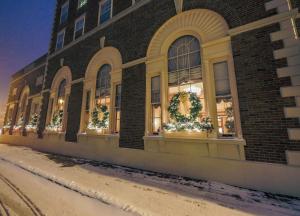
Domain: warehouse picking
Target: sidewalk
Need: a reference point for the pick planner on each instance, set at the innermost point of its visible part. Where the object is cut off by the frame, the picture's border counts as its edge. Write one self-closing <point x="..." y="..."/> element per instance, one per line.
<point x="147" y="193"/>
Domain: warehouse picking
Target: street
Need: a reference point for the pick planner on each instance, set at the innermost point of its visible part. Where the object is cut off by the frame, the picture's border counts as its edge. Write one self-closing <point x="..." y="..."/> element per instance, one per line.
<point x="25" y="194"/>
<point x="38" y="183"/>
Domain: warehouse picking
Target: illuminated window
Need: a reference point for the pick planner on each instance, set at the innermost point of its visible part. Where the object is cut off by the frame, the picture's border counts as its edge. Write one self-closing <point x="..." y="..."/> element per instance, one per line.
<point x="226" y="126"/>
<point x="118" y="108"/>
<point x="103" y="85"/>
<point x="60" y="40"/>
<point x="105" y="11"/>
<point x="155" y="105"/>
<point x="184" y="71"/>
<point x="79" y="27"/>
<point x="61" y="95"/>
<point x="64" y="12"/>
<point x="81" y="3"/>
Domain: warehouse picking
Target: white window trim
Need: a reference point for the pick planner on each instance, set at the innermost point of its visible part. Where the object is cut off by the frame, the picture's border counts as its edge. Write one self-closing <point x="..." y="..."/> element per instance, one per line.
<point x="78" y="6"/>
<point x="83" y="29"/>
<point x="66" y="3"/>
<point x="99" y="11"/>
<point x="63" y="43"/>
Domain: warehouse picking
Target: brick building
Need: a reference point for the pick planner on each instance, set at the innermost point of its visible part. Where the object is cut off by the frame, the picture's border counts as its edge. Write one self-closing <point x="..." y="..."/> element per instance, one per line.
<point x="192" y="87"/>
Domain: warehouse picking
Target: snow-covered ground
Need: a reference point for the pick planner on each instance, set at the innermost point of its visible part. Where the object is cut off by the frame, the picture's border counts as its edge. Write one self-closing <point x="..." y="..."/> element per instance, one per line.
<point x="22" y="194"/>
<point x="142" y="192"/>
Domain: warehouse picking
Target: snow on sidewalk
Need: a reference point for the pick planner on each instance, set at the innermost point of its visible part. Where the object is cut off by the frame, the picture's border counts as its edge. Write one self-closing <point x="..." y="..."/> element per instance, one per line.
<point x="148" y="193"/>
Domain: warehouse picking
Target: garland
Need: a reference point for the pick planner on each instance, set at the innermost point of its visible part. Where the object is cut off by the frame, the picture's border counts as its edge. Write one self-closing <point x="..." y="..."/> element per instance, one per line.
<point x="187" y="122"/>
<point x="95" y="122"/>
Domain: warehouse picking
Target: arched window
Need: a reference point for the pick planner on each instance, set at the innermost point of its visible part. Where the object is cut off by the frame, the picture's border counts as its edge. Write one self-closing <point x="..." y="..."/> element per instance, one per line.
<point x="103" y="85"/>
<point x="185" y="69"/>
<point x="184" y="61"/>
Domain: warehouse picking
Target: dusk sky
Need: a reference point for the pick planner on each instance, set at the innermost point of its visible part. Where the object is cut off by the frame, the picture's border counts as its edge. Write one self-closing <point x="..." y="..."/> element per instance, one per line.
<point x="25" y="28"/>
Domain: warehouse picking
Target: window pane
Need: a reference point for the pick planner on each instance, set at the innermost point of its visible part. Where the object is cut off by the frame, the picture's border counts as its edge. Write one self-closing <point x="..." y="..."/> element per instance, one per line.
<point x="221" y="79"/>
<point x="103" y="81"/>
<point x="155" y="90"/>
<point x="156" y="119"/>
<point x="226" y="126"/>
<point x="60" y="40"/>
<point x="64" y="13"/>
<point x="225" y="111"/>
<point x="79" y="27"/>
<point x="105" y="11"/>
<point x="183" y="58"/>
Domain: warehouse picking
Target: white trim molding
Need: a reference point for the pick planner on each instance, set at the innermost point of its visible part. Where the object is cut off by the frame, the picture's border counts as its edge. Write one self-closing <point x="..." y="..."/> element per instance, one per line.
<point x="291" y="51"/>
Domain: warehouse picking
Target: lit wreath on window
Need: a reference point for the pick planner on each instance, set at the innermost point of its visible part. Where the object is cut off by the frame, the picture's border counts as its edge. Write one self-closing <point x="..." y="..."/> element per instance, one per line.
<point x="195" y="109"/>
<point x="187" y="122"/>
<point x="97" y="123"/>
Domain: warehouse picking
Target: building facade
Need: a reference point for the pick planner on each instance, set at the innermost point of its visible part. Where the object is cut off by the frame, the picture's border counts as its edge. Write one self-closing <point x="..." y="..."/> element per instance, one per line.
<point x="189" y="87"/>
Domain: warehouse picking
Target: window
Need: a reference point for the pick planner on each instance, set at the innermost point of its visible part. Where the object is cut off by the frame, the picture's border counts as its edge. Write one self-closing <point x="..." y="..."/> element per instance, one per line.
<point x="60" y="40"/>
<point x="103" y="85"/>
<point x="39" y="80"/>
<point x="81" y="3"/>
<point x="184" y="70"/>
<point x="64" y="12"/>
<point x="105" y="11"/>
<point x="118" y="108"/>
<point x="155" y="105"/>
<point x="61" y="95"/>
<point x="225" y="114"/>
<point x="79" y="27"/>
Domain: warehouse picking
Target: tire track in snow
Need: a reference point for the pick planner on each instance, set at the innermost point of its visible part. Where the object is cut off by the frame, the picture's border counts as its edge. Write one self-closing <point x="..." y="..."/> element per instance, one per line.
<point x="87" y="193"/>
<point x="28" y="202"/>
<point x="3" y="210"/>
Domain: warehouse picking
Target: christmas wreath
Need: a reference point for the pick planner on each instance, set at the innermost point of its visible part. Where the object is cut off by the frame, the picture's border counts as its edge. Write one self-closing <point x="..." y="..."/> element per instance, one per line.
<point x="97" y="123"/>
<point x="195" y="109"/>
<point x="187" y="122"/>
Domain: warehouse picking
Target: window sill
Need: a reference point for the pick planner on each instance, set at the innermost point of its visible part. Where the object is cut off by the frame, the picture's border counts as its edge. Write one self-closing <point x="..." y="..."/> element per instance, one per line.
<point x="232" y="149"/>
<point x="98" y="135"/>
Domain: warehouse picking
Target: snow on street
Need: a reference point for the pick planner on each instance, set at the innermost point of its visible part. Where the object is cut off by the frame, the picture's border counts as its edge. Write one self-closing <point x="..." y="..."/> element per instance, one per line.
<point x="23" y="193"/>
<point x="59" y="185"/>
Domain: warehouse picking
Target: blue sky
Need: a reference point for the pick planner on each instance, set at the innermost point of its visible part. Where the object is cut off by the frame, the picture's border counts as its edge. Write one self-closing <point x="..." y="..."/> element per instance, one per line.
<point x="25" y="28"/>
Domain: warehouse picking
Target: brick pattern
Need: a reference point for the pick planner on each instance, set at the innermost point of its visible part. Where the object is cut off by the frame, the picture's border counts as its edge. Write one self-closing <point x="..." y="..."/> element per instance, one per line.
<point x="261" y="105"/>
<point x="74" y="110"/>
<point x="43" y="114"/>
<point x="133" y="107"/>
